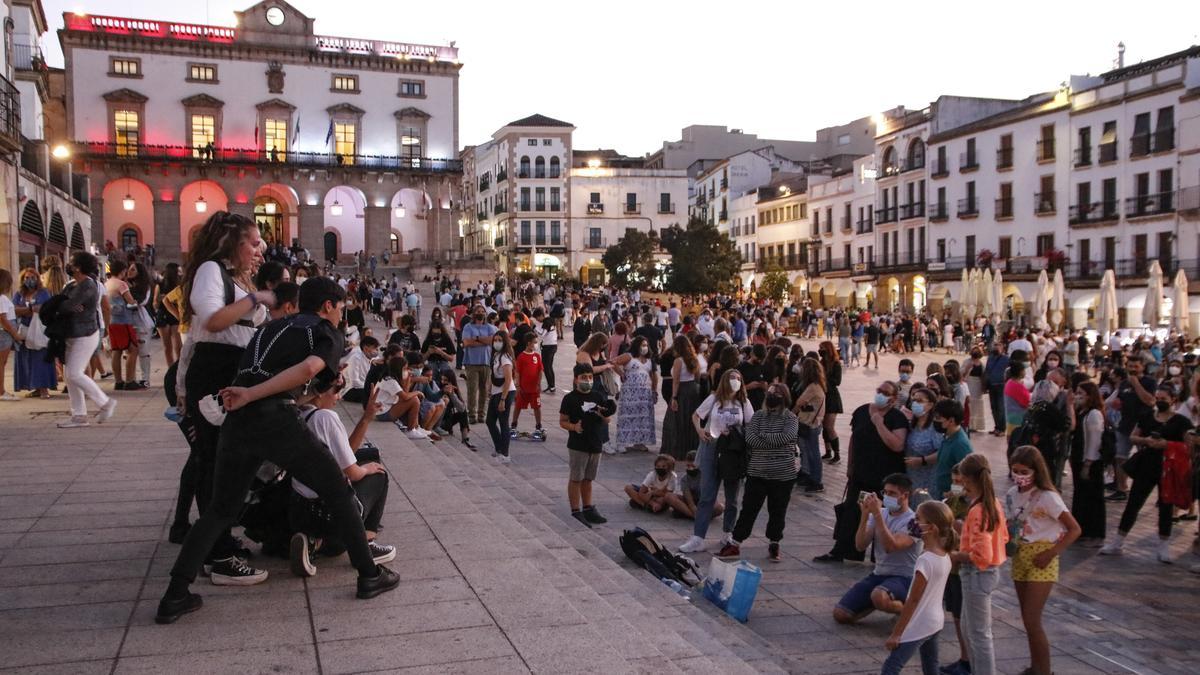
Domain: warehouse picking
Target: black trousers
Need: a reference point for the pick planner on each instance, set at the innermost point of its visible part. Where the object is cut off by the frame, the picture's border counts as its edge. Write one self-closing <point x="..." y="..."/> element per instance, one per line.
<point x="996" y="401"/>
<point x="311" y="517"/>
<point x="1087" y="498"/>
<point x="1145" y="481"/>
<point x="213" y="367"/>
<point x="548" y="352"/>
<point x="777" y="494"/>
<point x="848" y="517"/>
<point x="272" y="430"/>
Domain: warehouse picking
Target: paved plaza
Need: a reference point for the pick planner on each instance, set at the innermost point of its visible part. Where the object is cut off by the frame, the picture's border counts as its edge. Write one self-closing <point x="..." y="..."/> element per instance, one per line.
<point x="496" y="575"/>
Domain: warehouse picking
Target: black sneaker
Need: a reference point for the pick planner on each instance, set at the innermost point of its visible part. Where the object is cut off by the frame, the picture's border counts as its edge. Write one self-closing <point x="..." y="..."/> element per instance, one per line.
<point x="178" y="532"/>
<point x="171" y="609"/>
<point x="593" y="516"/>
<point x="136" y="386"/>
<point x="119" y="386"/>
<point x="232" y="571"/>
<point x="384" y="581"/>
<point x="300" y="555"/>
<point x="814" y="488"/>
<point x="382" y="553"/>
<point x="1116" y="496"/>
<point x="578" y="515"/>
<point x="828" y="557"/>
<point x="773" y="553"/>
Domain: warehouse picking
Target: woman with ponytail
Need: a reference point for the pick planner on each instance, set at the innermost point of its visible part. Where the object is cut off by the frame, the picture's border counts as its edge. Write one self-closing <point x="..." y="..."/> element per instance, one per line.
<point x="984" y="534"/>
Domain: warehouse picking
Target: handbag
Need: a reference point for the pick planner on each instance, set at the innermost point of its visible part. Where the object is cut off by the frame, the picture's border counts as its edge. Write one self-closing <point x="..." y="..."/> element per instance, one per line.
<point x="732" y="458"/>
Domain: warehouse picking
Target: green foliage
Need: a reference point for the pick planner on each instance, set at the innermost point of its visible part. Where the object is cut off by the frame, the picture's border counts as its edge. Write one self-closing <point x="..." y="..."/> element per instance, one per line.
<point x="702" y="259"/>
<point x="630" y="262"/>
<point x="774" y="283"/>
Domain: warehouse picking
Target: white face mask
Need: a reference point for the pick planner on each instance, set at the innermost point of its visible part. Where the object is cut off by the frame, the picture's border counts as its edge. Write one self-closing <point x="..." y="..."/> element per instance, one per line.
<point x="1174" y="370"/>
<point x="644" y="350"/>
<point x="735" y="385"/>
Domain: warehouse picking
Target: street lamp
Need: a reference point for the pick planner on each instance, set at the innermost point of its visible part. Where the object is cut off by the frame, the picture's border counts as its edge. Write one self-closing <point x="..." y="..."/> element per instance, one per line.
<point x="61" y="151"/>
<point x="335" y="209"/>
<point x="128" y="203"/>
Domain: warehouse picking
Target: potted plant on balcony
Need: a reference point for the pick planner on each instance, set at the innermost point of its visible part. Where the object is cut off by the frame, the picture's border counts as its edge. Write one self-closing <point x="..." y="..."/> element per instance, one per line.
<point x="1055" y="259"/>
<point x="985" y="257"/>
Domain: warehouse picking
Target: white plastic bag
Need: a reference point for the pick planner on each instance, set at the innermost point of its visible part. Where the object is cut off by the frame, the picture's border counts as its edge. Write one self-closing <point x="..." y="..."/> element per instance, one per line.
<point x="732" y="587"/>
<point x="35" y="334"/>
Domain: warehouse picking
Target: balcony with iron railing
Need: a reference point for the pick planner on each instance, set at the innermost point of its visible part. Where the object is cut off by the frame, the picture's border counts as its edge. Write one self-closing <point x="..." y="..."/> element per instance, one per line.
<point x="792" y="261"/>
<point x="1156" y="204"/>
<point x="846" y="224"/>
<point x="665" y="207"/>
<point x="724" y="183"/>
<point x="1108" y="152"/>
<point x="595" y="242"/>
<point x="886" y="214"/>
<point x="501" y="175"/>
<point x="914" y="163"/>
<point x="28" y="57"/>
<point x="1083" y="156"/>
<point x="908" y="262"/>
<point x="186" y="154"/>
<point x="1044" y="203"/>
<point x="1094" y="213"/>
<point x="1004" y="207"/>
<point x="939" y="211"/>
<point x="484" y="184"/>
<point x="864" y="226"/>
<point x="1004" y="158"/>
<point x="967" y="161"/>
<point x="940" y="168"/>
<point x="1045" y="150"/>
<point x="914" y="210"/>
<point x="701" y="199"/>
<point x="10" y="116"/>
<point x="829" y="265"/>
<point x="481" y="215"/>
<point x="1141" y="145"/>
<point x="1135" y="268"/>
<point x="633" y="208"/>
<point x="968" y="207"/>
<point x="723" y="216"/>
<point x="595" y="208"/>
<point x="500" y="208"/>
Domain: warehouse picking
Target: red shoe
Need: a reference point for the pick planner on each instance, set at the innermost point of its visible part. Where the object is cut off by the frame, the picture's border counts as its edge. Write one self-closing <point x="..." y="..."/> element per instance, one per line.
<point x="773" y="553"/>
<point x="730" y="550"/>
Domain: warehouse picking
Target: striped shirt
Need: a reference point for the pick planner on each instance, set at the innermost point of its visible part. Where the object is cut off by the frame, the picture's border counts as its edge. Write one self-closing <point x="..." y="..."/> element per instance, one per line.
<point x="772" y="439"/>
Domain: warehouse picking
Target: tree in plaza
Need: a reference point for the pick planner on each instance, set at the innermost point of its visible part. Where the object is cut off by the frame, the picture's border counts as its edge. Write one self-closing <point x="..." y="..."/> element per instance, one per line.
<point x="774" y="283"/>
<point x="630" y="263"/>
<point x="702" y="259"/>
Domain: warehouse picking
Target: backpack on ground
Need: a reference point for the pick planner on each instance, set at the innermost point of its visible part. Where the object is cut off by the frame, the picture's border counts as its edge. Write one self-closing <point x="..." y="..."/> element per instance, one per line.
<point x="641" y="548"/>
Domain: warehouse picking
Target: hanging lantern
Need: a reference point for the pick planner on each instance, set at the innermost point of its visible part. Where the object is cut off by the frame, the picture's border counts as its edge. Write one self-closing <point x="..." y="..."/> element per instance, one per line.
<point x="201" y="205"/>
<point x="128" y="202"/>
<point x="398" y="211"/>
<point x="269" y="208"/>
<point x="335" y="209"/>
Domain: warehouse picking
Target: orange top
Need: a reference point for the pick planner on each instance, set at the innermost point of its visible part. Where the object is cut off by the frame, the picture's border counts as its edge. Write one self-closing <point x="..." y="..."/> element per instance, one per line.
<point x="986" y="549"/>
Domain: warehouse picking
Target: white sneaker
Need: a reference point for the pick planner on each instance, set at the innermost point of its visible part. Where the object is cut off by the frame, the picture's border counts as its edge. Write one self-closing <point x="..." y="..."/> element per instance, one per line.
<point x="9" y="396"/>
<point x="417" y="434"/>
<point x="694" y="544"/>
<point x="1111" y="548"/>
<point x="608" y="449"/>
<point x="74" y="423"/>
<point x="106" y="411"/>
<point x="1164" y="553"/>
<point x="504" y="459"/>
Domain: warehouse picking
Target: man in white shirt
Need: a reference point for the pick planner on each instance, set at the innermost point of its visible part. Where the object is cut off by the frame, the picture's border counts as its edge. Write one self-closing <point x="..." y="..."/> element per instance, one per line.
<point x="704" y="325"/>
<point x="358" y="363"/>
<point x="1021" y="343"/>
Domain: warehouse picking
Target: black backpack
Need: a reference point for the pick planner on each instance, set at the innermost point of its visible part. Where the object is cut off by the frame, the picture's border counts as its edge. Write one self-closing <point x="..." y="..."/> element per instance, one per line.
<point x="641" y="548"/>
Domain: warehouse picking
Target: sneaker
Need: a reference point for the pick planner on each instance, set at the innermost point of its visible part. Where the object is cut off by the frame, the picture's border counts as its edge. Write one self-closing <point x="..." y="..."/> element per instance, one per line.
<point x="956" y="668"/>
<point x="1111" y="548"/>
<point x="119" y="386"/>
<point x="730" y="550"/>
<point x="73" y="423"/>
<point x="1117" y="496"/>
<point x="384" y="581"/>
<point x="232" y="571"/>
<point x="382" y="553"/>
<point x="578" y="515"/>
<point x="593" y="516"/>
<point x="814" y="488"/>
<point x="694" y="544"/>
<point x="434" y="436"/>
<point x="1164" y="553"/>
<point x="504" y="459"/>
<point x="467" y="442"/>
<point x="171" y="609"/>
<point x="417" y="434"/>
<point x="608" y="449"/>
<point x="106" y="411"/>
<point x="8" y="396"/>
<point x="773" y="553"/>
<point x="300" y="555"/>
<point x="538" y="435"/>
<point x="513" y="433"/>
<point x="828" y="557"/>
<point x="105" y="376"/>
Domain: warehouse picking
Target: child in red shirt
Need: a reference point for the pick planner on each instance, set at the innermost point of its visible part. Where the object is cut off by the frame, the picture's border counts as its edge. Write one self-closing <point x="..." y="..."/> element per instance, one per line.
<point x="529" y="386"/>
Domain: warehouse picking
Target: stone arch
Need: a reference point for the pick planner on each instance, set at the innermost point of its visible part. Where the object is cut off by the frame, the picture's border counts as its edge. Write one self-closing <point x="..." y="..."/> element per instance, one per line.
<point x="31" y="219"/>
<point x="129" y="236"/>
<point x="410" y="227"/>
<point x="915" y="155"/>
<point x="889" y="160"/>
<point x="58" y="230"/>
<point x="198" y="194"/>
<point x="286" y="220"/>
<point x="78" y="240"/>
<point x="116" y="215"/>
<point x="350" y="223"/>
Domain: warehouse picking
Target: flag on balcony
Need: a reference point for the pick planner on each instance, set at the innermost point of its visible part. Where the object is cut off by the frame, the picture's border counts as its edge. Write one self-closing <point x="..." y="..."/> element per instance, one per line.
<point x="256" y="135"/>
<point x="329" y="134"/>
<point x="296" y="134"/>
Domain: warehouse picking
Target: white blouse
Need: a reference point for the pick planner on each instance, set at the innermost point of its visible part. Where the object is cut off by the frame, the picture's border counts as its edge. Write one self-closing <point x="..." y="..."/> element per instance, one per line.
<point x="208" y="297"/>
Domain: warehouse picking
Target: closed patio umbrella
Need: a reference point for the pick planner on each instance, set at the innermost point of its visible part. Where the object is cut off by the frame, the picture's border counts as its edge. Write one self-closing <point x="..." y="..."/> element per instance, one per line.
<point x="1179" y="311"/>
<point x="1152" y="308"/>
<point x="997" y="296"/>
<point x="1058" y="303"/>
<point x="1106" y="310"/>
<point x="985" y="293"/>
<point x="1040" y="299"/>
<point x="964" y="293"/>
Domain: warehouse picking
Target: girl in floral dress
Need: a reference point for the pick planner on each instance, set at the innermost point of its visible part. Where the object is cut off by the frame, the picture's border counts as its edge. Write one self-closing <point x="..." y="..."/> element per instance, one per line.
<point x="639" y="393"/>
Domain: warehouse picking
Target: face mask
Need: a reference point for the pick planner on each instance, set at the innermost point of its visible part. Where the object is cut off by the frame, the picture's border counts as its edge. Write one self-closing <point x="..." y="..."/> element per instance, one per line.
<point x="1173" y="370"/>
<point x="1051" y="364"/>
<point x="692" y="473"/>
<point x="939" y="427"/>
<point x="31" y="284"/>
<point x="880" y="400"/>
<point x="735" y="385"/>
<point x="774" y="400"/>
<point x="497" y="345"/>
<point x="644" y="350"/>
<point x="918" y="408"/>
<point x="583" y="386"/>
<point x="957" y="489"/>
<point x="1162" y="406"/>
<point x="891" y="503"/>
<point x="662" y="473"/>
<point x="904" y="377"/>
<point x="1023" y="479"/>
<point x="914" y="529"/>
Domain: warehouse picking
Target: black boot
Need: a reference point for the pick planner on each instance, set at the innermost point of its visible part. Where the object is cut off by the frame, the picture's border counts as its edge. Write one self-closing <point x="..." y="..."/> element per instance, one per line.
<point x="837" y="451"/>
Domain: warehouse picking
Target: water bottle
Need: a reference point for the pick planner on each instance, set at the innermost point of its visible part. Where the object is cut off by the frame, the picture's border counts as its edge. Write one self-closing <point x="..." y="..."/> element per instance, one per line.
<point x="677" y="587"/>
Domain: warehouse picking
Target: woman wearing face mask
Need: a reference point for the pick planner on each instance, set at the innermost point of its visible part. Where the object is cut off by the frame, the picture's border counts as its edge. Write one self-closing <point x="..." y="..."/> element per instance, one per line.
<point x="972" y="370"/>
<point x="1053" y="360"/>
<point x="981" y="554"/>
<point x="1043" y="528"/>
<point x="687" y="371"/>
<point x="1087" y="465"/>
<point x="831" y="363"/>
<point x="771" y="439"/>
<point x="723" y="412"/>
<point x="503" y="393"/>
<point x="810" y="408"/>
<point x="639" y="394"/>
<point x="31" y="370"/>
<point x="1146" y="468"/>
<point x="923" y="440"/>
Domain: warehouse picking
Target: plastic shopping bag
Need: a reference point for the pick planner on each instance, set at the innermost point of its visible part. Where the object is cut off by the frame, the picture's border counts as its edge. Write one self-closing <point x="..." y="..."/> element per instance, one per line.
<point x="732" y="587"/>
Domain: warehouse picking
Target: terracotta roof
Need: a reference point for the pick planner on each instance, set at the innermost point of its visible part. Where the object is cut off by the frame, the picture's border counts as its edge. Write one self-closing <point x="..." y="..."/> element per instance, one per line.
<point x="537" y="120"/>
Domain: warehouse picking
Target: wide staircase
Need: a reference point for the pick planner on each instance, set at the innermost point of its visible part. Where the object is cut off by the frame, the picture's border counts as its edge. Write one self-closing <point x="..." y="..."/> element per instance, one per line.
<point x="553" y="586"/>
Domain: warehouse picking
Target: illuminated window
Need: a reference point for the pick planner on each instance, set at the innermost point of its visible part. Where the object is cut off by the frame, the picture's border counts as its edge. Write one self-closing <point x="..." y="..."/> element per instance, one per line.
<point x="128" y="134"/>
<point x="343" y="140"/>
<point x="412" y="88"/>
<point x="204" y="133"/>
<point x="129" y="239"/>
<point x="125" y="67"/>
<point x="410" y="142"/>
<point x="345" y="83"/>
<point x="202" y="72"/>
<point x="276" y="138"/>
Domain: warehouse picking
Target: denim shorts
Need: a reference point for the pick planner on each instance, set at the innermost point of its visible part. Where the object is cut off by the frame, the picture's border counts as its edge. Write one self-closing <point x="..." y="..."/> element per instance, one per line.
<point x="858" y="598"/>
<point x="6" y="341"/>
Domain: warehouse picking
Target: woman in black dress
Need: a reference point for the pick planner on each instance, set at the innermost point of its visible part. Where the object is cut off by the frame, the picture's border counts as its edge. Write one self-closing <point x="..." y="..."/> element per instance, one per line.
<point x="831" y="363"/>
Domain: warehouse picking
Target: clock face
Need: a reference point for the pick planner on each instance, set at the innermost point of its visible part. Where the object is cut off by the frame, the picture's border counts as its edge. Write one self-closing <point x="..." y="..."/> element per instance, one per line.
<point x="275" y="16"/>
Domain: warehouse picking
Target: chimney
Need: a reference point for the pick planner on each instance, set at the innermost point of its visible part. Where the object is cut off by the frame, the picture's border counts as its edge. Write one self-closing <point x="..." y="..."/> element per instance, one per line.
<point x="1120" y="55"/>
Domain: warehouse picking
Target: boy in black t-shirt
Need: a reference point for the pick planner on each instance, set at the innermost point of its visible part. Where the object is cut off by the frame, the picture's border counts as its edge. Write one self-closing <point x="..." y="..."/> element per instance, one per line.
<point x="263" y="424"/>
<point x="584" y="414"/>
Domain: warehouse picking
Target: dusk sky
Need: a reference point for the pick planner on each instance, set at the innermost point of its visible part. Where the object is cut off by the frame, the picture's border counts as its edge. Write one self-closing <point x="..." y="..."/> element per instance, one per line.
<point x="630" y="75"/>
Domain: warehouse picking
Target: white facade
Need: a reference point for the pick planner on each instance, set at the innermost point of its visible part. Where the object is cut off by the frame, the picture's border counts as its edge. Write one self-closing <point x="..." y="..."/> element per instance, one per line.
<point x="735" y="176"/>
<point x="841" y="210"/>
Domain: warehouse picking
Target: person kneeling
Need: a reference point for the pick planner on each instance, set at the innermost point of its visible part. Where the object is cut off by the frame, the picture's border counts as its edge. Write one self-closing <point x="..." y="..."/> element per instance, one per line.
<point x="887" y="525"/>
<point x="307" y="513"/>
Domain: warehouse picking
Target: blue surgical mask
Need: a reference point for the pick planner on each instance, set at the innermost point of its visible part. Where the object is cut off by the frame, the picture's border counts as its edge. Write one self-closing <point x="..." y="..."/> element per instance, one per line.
<point x="918" y="408"/>
<point x="891" y="503"/>
<point x="880" y="399"/>
<point x="904" y="377"/>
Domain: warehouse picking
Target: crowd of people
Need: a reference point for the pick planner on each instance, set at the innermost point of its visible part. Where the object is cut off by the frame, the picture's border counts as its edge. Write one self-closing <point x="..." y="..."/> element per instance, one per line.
<point x="261" y="347"/>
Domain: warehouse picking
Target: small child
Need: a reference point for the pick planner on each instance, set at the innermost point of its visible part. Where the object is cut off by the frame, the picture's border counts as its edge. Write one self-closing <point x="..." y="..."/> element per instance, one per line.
<point x="923" y="617"/>
<point x="529" y="386"/>
<point x="584" y="413"/>
<point x="656" y="487"/>
<point x="683" y="504"/>
<point x="957" y="500"/>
